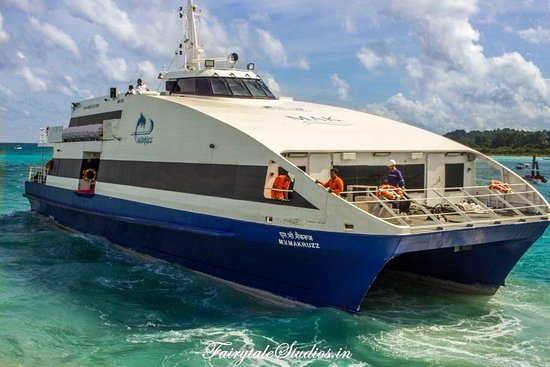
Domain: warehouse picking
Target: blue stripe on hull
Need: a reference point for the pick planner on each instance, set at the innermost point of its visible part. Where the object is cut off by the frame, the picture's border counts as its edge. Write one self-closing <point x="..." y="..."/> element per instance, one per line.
<point x="338" y="274"/>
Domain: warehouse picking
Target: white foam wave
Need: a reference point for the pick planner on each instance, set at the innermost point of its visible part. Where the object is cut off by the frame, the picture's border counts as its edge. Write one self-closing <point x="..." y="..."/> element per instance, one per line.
<point x="488" y="340"/>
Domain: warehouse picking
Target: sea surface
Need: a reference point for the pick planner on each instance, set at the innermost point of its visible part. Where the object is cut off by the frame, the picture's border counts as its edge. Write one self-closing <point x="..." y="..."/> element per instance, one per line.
<point x="68" y="299"/>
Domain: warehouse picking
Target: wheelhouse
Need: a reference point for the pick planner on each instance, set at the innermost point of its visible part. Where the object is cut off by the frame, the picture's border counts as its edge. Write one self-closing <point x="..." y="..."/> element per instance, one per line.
<point x="220" y="87"/>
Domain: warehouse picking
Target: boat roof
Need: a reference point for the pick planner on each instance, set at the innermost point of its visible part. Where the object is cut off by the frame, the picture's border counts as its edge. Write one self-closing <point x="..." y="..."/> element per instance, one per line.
<point x="210" y="72"/>
<point x="285" y="125"/>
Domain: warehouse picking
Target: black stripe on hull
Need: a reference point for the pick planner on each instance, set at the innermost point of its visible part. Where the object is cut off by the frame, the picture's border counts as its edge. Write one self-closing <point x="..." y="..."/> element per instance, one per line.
<point x="218" y="180"/>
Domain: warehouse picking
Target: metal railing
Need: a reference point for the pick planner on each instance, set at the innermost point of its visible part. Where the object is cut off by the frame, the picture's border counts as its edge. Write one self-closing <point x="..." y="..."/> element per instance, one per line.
<point x="38" y="174"/>
<point x="438" y="208"/>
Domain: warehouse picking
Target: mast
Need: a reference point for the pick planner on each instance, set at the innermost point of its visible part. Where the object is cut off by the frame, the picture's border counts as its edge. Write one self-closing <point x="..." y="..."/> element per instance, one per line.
<point x="192" y="50"/>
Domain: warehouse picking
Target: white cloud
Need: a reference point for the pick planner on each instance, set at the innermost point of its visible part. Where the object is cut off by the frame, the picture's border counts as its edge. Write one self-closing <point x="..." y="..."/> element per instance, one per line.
<point x="372" y="58"/>
<point x="260" y="16"/>
<point x="275" y="50"/>
<point x="54" y="36"/>
<point x="4" y="36"/>
<point x="33" y="81"/>
<point x="147" y="71"/>
<point x="28" y="6"/>
<point x="21" y="56"/>
<point x="535" y="35"/>
<point x="6" y="92"/>
<point x="107" y="14"/>
<point x="272" y="83"/>
<point x="454" y="84"/>
<point x="349" y="25"/>
<point x="113" y="68"/>
<point x="69" y="88"/>
<point x="342" y="87"/>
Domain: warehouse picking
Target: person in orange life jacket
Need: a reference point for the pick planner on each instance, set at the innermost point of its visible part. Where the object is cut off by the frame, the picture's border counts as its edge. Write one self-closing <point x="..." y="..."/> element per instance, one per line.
<point x="282" y="182"/>
<point x="335" y="184"/>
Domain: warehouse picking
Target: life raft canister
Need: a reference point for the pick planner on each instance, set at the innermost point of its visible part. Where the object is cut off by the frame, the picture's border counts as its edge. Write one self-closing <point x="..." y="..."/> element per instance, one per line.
<point x="499" y="186"/>
<point x="89" y="175"/>
<point x="390" y="192"/>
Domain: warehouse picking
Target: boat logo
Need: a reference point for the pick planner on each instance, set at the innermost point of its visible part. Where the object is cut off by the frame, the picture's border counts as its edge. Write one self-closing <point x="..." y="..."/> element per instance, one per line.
<point x="142" y="132"/>
<point x="320" y="120"/>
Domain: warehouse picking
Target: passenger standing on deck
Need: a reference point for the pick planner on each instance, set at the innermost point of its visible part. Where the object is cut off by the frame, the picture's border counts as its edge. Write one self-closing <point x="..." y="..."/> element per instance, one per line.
<point x="131" y="90"/>
<point x="395" y="178"/>
<point x="335" y="184"/>
<point x="141" y="87"/>
<point x="282" y="182"/>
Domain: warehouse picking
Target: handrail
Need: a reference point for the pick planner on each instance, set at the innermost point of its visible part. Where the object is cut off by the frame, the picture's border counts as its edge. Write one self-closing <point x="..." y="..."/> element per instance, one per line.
<point x="38" y="174"/>
<point x="462" y="207"/>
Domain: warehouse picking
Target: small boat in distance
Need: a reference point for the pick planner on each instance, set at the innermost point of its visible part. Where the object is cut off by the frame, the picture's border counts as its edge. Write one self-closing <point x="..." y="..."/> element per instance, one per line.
<point x="18" y="147"/>
<point x="535" y="176"/>
<point x="522" y="165"/>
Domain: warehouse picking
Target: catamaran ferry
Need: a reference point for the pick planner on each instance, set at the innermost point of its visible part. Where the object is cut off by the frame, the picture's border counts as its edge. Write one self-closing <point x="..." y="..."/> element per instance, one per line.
<point x="187" y="174"/>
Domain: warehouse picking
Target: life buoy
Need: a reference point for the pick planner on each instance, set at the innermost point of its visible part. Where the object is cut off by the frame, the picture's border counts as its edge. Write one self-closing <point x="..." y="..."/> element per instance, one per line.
<point x="499" y="186"/>
<point x="390" y="192"/>
<point x="89" y="175"/>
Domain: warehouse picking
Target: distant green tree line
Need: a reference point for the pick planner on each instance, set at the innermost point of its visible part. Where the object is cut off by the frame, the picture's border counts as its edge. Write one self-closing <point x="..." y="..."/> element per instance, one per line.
<point x="505" y="141"/>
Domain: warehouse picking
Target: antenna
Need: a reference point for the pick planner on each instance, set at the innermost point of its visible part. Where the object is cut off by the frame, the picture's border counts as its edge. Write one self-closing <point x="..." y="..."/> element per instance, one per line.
<point x="191" y="43"/>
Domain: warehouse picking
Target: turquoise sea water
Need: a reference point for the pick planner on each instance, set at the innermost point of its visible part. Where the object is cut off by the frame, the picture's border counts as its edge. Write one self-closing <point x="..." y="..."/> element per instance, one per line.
<point x="68" y="299"/>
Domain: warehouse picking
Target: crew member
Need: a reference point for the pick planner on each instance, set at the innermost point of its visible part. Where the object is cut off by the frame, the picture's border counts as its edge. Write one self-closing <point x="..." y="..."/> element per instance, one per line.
<point x="49" y="165"/>
<point x="395" y="178"/>
<point x="335" y="184"/>
<point x="141" y="87"/>
<point x="282" y="182"/>
<point x="131" y="90"/>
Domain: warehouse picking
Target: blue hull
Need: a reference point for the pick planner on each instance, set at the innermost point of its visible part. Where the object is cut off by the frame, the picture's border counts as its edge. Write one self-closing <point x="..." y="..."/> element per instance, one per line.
<point x="325" y="269"/>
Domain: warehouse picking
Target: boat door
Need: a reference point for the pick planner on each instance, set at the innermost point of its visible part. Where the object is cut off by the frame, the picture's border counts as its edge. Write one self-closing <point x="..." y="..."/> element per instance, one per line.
<point x="89" y="169"/>
<point x="319" y="166"/>
<point x="435" y="173"/>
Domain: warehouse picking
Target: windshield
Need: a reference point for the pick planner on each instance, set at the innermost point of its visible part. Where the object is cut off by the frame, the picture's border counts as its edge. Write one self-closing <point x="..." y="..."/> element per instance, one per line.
<point x="217" y="86"/>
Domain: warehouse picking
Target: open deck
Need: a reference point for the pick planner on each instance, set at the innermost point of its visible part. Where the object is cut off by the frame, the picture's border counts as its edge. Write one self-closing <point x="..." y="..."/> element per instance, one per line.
<point x="446" y="208"/>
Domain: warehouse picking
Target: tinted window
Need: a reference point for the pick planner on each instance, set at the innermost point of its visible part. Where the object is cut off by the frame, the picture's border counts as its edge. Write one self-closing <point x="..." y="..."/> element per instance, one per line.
<point x="254" y="88"/>
<point x="203" y="87"/>
<point x="377" y="175"/>
<point x="219" y="87"/>
<point x="238" y="88"/>
<point x="454" y="175"/>
<point x="187" y="86"/>
<point x="172" y="86"/>
<point x="265" y="89"/>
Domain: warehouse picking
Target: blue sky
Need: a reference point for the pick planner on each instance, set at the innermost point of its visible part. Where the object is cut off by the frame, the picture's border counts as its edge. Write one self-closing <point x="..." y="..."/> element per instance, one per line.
<point x="440" y="64"/>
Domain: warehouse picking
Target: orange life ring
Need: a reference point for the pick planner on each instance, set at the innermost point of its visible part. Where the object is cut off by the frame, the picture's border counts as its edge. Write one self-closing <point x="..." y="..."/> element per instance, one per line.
<point x="390" y="192"/>
<point x="499" y="186"/>
<point x="89" y="175"/>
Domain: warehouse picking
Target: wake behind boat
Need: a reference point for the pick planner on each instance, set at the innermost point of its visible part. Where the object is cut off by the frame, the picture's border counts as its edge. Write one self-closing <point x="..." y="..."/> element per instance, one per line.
<point x="216" y="173"/>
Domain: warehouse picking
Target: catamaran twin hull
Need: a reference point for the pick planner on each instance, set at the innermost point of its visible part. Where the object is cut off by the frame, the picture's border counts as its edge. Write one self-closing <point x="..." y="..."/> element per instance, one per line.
<point x="316" y="267"/>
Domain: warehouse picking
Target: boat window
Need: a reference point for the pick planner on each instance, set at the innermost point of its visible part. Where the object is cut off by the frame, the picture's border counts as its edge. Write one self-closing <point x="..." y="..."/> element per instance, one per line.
<point x="377" y="175"/>
<point x="171" y="86"/>
<point x="229" y="87"/>
<point x="187" y="86"/>
<point x="238" y="88"/>
<point x="265" y="89"/>
<point x="203" y="87"/>
<point x="219" y="87"/>
<point x="275" y="187"/>
<point x="254" y="88"/>
<point x="454" y="175"/>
